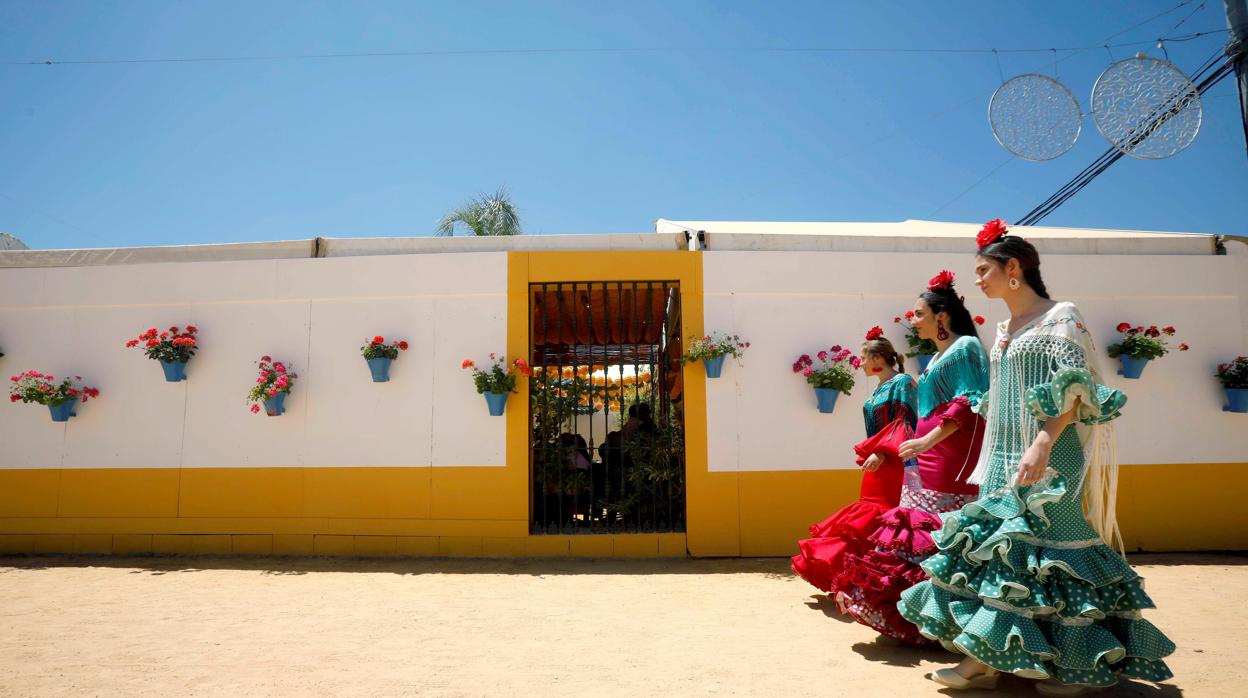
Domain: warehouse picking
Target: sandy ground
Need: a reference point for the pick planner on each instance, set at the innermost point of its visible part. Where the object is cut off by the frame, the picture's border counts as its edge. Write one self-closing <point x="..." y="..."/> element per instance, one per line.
<point x="328" y="627"/>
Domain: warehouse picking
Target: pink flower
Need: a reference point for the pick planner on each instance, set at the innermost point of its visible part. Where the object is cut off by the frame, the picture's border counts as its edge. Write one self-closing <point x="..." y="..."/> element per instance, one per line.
<point x="856" y="362"/>
<point x="808" y="373"/>
<point x="279" y="367"/>
<point x="192" y="329"/>
<point x="823" y="356"/>
<point x="261" y="379"/>
<point x="14" y="398"/>
<point x="272" y="392"/>
<point x="266" y="358"/>
<point x="255" y="408"/>
<point x="836" y="348"/>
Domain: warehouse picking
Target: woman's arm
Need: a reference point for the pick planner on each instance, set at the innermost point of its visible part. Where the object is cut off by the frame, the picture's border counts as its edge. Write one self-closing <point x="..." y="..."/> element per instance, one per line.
<point x="1036" y="458"/>
<point x="913" y="447"/>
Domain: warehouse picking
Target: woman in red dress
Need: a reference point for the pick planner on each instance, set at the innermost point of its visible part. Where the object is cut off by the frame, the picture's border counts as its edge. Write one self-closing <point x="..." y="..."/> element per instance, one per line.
<point x="889" y="418"/>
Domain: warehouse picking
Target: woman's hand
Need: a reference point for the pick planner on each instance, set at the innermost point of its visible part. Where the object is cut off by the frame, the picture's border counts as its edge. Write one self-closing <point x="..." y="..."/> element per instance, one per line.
<point x="872" y="462"/>
<point x="912" y="448"/>
<point x="1035" y="460"/>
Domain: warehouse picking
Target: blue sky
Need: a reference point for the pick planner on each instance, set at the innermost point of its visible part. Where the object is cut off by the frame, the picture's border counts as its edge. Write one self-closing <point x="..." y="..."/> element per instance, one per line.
<point x="196" y="152"/>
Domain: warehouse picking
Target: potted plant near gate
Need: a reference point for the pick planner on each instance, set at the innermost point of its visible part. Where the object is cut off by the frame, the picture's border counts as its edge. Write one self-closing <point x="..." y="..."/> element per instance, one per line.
<point x="378" y="354"/>
<point x="273" y="384"/>
<point x="1234" y="378"/>
<point x="498" y="381"/>
<point x="173" y="349"/>
<point x="61" y="398"/>
<point x="1140" y="345"/>
<point x="712" y="349"/>
<point x="832" y="376"/>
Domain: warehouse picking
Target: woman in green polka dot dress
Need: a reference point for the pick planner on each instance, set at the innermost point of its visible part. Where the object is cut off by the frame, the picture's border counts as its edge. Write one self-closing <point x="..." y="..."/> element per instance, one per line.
<point x="1023" y="581"/>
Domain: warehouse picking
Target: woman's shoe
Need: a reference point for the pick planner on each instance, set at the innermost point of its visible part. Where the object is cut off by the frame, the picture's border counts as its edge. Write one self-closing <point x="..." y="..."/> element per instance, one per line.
<point x="1049" y="687"/>
<point x="951" y="678"/>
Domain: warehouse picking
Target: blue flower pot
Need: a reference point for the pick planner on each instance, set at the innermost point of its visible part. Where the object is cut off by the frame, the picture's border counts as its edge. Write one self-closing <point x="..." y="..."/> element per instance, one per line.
<point x="63" y="411"/>
<point x="275" y="406"/>
<point x="1131" y="368"/>
<point x="174" y="370"/>
<point x="825" y="398"/>
<point x="1236" y="400"/>
<point x="714" y="366"/>
<point x="380" y="369"/>
<point x="924" y="360"/>
<point x="497" y="403"/>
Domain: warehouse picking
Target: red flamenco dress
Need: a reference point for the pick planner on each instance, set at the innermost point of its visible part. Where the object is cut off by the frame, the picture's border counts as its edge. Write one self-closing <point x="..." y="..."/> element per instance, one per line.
<point x="871" y="581"/>
<point x="889" y="416"/>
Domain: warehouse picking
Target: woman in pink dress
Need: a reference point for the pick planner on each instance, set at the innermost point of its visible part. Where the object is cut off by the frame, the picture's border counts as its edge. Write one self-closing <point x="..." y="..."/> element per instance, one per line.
<point x="938" y="462"/>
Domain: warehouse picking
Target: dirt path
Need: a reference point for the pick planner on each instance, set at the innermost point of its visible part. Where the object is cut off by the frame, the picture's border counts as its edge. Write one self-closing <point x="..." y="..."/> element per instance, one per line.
<point x="323" y="627"/>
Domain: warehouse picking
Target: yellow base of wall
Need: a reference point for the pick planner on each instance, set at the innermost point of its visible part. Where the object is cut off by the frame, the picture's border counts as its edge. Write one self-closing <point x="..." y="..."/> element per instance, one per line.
<point x="452" y="512"/>
<point x="666" y="545"/>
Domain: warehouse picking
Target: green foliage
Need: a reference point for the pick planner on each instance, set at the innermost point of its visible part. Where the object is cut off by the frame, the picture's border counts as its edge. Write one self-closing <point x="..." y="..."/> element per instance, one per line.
<point x="488" y="214"/>
<point x="712" y="346"/>
<point x="1234" y="374"/>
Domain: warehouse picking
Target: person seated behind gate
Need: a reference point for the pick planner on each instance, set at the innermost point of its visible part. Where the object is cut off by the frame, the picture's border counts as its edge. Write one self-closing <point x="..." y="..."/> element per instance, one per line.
<point x="577" y="449"/>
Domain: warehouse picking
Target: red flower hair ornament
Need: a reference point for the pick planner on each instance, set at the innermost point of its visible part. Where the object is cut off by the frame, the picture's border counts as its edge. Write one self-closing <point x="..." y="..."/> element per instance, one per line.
<point x="941" y="282"/>
<point x="992" y="231"/>
<point x="874" y="333"/>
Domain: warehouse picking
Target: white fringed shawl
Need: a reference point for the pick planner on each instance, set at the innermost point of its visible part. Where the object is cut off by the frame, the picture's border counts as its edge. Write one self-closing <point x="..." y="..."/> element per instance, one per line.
<point x="1057" y="340"/>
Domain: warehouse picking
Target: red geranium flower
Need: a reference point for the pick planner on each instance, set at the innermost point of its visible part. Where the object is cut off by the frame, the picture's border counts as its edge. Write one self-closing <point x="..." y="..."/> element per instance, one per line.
<point x="467" y="364"/>
<point x="403" y="346"/>
<point x="897" y="319"/>
<point x="1123" y="326"/>
<point x="979" y="319"/>
<point x="379" y="340"/>
<point x="991" y="232"/>
<point x="909" y="314"/>
<point x="874" y="333"/>
<point x="942" y="280"/>
<point x="132" y="343"/>
<point x="1183" y="347"/>
<point x="1168" y="330"/>
<point x="192" y="329"/>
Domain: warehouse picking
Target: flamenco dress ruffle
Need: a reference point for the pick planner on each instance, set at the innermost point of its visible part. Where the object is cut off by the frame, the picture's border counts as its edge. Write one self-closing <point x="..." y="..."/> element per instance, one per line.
<point x="1023" y="584"/>
<point x="821" y="557"/>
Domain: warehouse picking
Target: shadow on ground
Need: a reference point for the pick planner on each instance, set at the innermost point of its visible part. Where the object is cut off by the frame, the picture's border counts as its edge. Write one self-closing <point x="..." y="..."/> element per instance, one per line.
<point x="775" y="568"/>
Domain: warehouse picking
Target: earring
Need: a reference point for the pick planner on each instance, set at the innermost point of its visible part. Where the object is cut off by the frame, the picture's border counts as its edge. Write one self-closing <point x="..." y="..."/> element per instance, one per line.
<point x="1014" y="284"/>
<point x="941" y="333"/>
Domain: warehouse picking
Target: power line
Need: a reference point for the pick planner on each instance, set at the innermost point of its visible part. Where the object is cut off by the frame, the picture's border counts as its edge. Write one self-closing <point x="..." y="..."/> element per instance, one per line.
<point x="1113" y="154"/>
<point x="574" y="51"/>
<point x="966" y="191"/>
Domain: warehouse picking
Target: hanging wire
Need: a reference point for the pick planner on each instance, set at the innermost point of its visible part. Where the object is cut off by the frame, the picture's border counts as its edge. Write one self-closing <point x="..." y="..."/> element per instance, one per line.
<point x="1112" y="154"/>
<point x="997" y="55"/>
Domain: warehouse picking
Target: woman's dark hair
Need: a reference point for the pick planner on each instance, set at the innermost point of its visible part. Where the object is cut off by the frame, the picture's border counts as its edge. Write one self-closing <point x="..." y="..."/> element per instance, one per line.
<point x="1012" y="247"/>
<point x="947" y="300"/>
<point x="884" y="349"/>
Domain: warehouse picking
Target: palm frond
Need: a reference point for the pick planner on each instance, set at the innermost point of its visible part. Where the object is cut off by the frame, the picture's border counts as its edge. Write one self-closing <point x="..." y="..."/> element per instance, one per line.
<point x="488" y="214"/>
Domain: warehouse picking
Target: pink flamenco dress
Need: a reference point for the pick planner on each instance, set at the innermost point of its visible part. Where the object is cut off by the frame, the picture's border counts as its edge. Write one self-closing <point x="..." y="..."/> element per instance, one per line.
<point x="871" y="581"/>
<point x="889" y="418"/>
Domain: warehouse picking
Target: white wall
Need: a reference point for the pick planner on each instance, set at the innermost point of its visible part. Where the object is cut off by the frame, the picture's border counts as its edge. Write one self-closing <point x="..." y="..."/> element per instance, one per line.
<point x="311" y="313"/>
<point x="761" y="416"/>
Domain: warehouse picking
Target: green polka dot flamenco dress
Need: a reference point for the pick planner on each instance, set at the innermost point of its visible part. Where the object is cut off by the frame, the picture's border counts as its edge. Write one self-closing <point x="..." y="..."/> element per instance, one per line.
<point x="1023" y="581"/>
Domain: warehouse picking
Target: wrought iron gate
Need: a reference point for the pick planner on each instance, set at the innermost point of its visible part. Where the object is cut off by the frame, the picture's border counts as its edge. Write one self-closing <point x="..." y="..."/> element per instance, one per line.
<point x="606" y="442"/>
